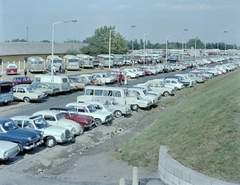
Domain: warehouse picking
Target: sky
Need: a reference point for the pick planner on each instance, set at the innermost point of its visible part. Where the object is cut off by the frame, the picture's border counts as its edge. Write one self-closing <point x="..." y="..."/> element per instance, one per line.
<point x="155" y="20"/>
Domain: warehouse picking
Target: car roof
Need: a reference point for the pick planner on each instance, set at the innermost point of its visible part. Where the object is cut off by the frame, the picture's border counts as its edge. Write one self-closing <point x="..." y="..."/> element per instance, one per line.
<point x="61" y="108"/>
<point x="79" y="104"/>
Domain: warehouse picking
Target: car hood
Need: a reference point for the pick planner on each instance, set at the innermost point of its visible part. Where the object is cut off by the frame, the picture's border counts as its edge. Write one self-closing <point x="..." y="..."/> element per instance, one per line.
<point x="84" y="117"/>
<point x="22" y="133"/>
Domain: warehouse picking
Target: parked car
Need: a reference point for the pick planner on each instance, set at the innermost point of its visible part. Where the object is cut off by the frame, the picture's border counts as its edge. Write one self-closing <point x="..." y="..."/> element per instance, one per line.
<point x="138" y="71"/>
<point x="57" y="118"/>
<point x="104" y="78"/>
<point x="8" y="150"/>
<point x="44" y="87"/>
<point x="130" y="73"/>
<point x="21" y="80"/>
<point x="175" y="82"/>
<point x="27" y="94"/>
<point x="198" y="79"/>
<point x="117" y="109"/>
<point x="80" y="84"/>
<point x="11" y="69"/>
<point x="71" y="113"/>
<point x="51" y="134"/>
<point x="100" y="117"/>
<point x="25" y="139"/>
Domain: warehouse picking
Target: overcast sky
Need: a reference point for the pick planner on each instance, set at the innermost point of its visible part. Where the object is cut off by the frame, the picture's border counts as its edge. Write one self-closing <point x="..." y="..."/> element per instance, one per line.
<point x="205" y="19"/>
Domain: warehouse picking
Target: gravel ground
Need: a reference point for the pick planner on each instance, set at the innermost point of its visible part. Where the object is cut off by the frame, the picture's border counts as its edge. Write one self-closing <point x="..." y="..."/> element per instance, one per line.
<point x="88" y="161"/>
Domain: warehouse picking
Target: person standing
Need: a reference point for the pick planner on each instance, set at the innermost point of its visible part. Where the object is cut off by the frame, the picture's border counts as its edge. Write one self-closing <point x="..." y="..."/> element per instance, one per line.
<point x="125" y="79"/>
<point x="120" y="78"/>
<point x="25" y="71"/>
<point x="60" y="69"/>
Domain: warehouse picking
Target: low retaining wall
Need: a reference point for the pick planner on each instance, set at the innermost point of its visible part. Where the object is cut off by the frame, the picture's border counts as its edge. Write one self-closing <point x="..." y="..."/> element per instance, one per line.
<point x="172" y="172"/>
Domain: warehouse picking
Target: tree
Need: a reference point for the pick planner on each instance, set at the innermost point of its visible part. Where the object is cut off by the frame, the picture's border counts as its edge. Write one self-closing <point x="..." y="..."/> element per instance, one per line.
<point x="45" y="41"/>
<point x="19" y="40"/>
<point x="99" y="42"/>
<point x="199" y="43"/>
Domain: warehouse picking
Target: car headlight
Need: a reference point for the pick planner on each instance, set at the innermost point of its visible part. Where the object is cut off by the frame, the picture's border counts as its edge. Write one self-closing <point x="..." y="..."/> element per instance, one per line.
<point x="29" y="139"/>
<point x="62" y="136"/>
<point x="73" y="130"/>
<point x="5" y="154"/>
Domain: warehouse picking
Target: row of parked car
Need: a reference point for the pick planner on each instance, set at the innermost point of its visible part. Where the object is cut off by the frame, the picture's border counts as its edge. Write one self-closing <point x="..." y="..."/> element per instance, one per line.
<point x="96" y="106"/>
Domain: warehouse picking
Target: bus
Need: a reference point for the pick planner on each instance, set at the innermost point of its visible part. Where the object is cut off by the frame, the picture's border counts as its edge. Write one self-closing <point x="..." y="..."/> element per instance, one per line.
<point x="6" y="93"/>
<point x="105" y="61"/>
<point x="138" y="58"/>
<point x="71" y="62"/>
<point x="57" y="62"/>
<point x="36" y="64"/>
<point x="85" y="61"/>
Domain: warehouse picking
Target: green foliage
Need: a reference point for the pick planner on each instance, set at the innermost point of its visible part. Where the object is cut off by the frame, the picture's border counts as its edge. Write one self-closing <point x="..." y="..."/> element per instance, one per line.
<point x="99" y="42"/>
<point x="19" y="40"/>
<point x="201" y="129"/>
<point x="45" y="41"/>
<point x="72" y="52"/>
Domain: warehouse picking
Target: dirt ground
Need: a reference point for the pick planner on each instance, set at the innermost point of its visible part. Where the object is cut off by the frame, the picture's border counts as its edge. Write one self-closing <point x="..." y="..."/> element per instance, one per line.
<point x="88" y="161"/>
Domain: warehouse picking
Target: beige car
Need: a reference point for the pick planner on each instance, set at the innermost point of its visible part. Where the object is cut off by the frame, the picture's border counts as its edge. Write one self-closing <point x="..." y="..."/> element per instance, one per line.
<point x="27" y="94"/>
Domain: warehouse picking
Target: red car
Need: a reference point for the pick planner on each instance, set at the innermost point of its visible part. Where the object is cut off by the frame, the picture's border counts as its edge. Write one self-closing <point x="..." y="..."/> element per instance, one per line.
<point x="145" y="71"/>
<point x="70" y="113"/>
<point x="11" y="69"/>
<point x="21" y="80"/>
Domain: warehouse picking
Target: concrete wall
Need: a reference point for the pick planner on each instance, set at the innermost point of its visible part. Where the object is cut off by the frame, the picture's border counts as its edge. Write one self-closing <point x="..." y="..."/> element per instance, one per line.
<point x="172" y="172"/>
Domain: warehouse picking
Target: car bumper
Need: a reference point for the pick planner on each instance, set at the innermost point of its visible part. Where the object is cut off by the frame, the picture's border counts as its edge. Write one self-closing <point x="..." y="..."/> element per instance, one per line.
<point x="33" y="145"/>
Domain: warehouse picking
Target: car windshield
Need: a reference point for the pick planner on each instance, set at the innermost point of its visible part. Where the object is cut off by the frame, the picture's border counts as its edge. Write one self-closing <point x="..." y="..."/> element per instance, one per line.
<point x="114" y="102"/>
<point x="41" y="123"/>
<point x="91" y="108"/>
<point x="29" y="89"/>
<point x="60" y="116"/>
<point x="10" y="125"/>
<point x="145" y="92"/>
<point x="72" y="112"/>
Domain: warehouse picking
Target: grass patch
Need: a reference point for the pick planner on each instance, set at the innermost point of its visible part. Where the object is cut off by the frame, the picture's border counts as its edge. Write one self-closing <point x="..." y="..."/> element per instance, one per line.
<point x="201" y="128"/>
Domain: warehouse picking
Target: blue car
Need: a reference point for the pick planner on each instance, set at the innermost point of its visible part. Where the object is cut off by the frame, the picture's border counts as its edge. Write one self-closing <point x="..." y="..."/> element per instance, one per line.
<point x="26" y="139"/>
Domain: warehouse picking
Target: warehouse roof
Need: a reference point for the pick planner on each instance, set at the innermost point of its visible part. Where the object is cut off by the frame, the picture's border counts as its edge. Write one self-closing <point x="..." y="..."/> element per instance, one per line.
<point x="23" y="48"/>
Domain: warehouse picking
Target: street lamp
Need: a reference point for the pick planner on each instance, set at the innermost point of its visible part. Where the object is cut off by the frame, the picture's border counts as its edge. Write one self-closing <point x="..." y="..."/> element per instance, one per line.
<point x="225" y="41"/>
<point x="182" y="45"/>
<point x="132" y="35"/>
<point x="74" y="21"/>
<point x="53" y="41"/>
<point x="205" y="45"/>
<point x="144" y="45"/>
<point x="109" y="49"/>
<point x="166" y="45"/>
<point x="195" y="47"/>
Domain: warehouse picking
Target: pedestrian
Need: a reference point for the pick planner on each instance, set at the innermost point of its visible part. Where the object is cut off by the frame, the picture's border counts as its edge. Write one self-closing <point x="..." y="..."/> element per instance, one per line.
<point x="25" y="71"/>
<point x="60" y="69"/>
<point x="125" y="79"/>
<point x="120" y="77"/>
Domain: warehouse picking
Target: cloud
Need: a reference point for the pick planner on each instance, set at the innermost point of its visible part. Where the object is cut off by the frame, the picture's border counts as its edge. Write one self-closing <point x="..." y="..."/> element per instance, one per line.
<point x="182" y="6"/>
<point x="123" y="7"/>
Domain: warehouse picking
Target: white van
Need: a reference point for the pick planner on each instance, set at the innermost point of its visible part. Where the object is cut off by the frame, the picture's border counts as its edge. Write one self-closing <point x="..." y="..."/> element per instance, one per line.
<point x="121" y="95"/>
<point x="61" y="82"/>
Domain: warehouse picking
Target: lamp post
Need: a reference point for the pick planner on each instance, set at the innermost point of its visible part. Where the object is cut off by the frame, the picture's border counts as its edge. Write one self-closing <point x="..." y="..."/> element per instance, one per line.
<point x="166" y="46"/>
<point x="144" y="45"/>
<point x="182" y="45"/>
<point x="109" y="49"/>
<point x="195" y="47"/>
<point x="74" y="21"/>
<point x="225" y="41"/>
<point x="132" y="35"/>
<point x="53" y="42"/>
<point x="205" y="46"/>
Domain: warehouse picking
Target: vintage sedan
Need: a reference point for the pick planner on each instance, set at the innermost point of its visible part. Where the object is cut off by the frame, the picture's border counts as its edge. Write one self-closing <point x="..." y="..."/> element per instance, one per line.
<point x="21" y="80"/>
<point x="104" y="78"/>
<point x="100" y="117"/>
<point x="44" y="87"/>
<point x="27" y="94"/>
<point x="8" y="150"/>
<point x="71" y="113"/>
<point x="77" y="82"/>
<point x="26" y="139"/>
<point x="51" y="134"/>
<point x="111" y="104"/>
<point x="57" y="118"/>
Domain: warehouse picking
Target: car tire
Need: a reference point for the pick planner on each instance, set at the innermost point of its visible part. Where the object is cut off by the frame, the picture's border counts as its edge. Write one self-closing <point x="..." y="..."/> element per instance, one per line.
<point x="134" y="107"/>
<point x="50" y="142"/>
<point x="20" y="148"/>
<point x="117" y="113"/>
<point x="5" y="103"/>
<point x="81" y="130"/>
<point x="98" y="122"/>
<point x="166" y="94"/>
<point x="26" y="99"/>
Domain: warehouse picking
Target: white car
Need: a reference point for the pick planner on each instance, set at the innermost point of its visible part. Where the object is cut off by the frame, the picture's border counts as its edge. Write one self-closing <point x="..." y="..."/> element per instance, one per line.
<point x="175" y="82"/>
<point x="145" y="95"/>
<point x="56" y="118"/>
<point x="151" y="69"/>
<point x="86" y="77"/>
<point x="88" y="109"/>
<point x="104" y="78"/>
<point x="8" y="150"/>
<point x="149" y="91"/>
<point x="138" y="71"/>
<point x="130" y="73"/>
<point x="26" y="94"/>
<point x="142" y="103"/>
<point x="111" y="104"/>
<point x="52" y="134"/>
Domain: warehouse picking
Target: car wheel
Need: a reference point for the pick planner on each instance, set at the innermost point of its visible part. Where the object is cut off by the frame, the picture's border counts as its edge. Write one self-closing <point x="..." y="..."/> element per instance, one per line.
<point x="117" y="113"/>
<point x="81" y="130"/>
<point x="129" y="77"/>
<point x="20" y="148"/>
<point x="98" y="122"/>
<point x="5" y="103"/>
<point x="50" y="142"/>
<point x="166" y="94"/>
<point x="134" y="107"/>
<point x="26" y="99"/>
